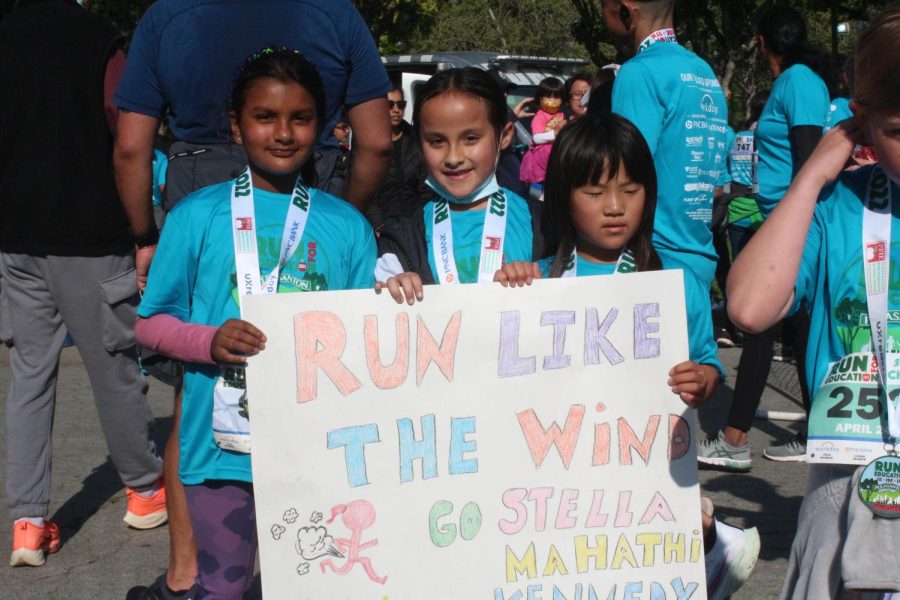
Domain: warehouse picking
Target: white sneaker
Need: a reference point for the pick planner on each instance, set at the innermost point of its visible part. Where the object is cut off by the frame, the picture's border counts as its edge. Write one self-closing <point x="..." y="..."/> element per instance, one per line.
<point x="731" y="560"/>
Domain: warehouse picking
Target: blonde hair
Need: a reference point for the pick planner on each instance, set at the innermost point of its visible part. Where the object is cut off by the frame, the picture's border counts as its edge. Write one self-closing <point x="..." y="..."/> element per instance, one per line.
<point x="876" y="66"/>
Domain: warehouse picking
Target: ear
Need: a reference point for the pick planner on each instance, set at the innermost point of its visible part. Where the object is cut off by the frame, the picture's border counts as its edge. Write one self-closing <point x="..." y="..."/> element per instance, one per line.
<point x="235" y="130"/>
<point x="506" y="136"/>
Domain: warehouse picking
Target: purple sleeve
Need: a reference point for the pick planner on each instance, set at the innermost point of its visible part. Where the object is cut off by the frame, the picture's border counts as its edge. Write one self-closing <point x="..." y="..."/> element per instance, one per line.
<point x="168" y="335"/>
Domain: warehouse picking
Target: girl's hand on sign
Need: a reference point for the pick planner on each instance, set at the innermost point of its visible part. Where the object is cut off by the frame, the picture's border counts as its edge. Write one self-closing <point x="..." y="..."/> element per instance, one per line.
<point x="693" y="382"/>
<point x="235" y="340"/>
<point x="517" y="274"/>
<point x="403" y="287"/>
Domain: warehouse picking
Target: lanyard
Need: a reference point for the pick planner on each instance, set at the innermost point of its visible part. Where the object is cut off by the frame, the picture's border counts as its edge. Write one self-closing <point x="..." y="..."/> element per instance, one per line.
<point x="625" y="264"/>
<point x="243" y="223"/>
<point x="876" y="240"/>
<point x="491" y="240"/>
<point x="660" y="35"/>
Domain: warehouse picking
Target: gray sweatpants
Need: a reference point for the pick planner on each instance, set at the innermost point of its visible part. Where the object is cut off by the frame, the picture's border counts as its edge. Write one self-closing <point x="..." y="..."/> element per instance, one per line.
<point x="94" y="298"/>
<point x="841" y="548"/>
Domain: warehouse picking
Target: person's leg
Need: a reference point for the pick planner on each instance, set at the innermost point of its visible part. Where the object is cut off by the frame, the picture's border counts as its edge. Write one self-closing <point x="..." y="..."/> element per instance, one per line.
<point x="753" y="372"/>
<point x="223" y="516"/>
<point x="97" y="298"/>
<point x="182" y="551"/>
<point x="37" y="336"/>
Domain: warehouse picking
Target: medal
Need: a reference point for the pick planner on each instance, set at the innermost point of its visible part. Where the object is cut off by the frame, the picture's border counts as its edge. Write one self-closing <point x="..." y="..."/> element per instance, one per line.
<point x="879" y="485"/>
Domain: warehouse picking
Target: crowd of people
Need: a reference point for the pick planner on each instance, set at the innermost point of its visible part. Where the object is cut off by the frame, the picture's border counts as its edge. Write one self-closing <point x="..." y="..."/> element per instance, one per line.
<point x="284" y="135"/>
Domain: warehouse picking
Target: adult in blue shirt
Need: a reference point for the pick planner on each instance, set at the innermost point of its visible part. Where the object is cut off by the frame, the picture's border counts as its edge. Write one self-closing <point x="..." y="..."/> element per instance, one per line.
<point x="789" y="128"/>
<point x="181" y="63"/>
<point x="675" y="100"/>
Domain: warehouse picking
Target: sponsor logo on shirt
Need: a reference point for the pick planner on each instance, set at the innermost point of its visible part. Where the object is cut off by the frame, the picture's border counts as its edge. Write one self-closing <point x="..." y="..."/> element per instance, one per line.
<point x="876" y="252"/>
<point x="244" y="223"/>
<point x="492" y="243"/>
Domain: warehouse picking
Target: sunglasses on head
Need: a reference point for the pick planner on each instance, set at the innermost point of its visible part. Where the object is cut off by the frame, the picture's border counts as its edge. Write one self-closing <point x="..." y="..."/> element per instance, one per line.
<point x="401" y="104"/>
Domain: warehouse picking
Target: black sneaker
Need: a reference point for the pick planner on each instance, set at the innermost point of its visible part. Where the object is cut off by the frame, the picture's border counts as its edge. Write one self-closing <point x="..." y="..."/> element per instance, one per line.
<point x="158" y="590"/>
<point x="724" y="338"/>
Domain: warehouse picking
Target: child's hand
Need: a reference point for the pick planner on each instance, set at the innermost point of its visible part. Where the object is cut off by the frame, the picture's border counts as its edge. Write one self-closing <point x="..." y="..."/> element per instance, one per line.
<point x="405" y="286"/>
<point x="694" y="383"/>
<point x="833" y="151"/>
<point x="517" y="274"/>
<point x="235" y="340"/>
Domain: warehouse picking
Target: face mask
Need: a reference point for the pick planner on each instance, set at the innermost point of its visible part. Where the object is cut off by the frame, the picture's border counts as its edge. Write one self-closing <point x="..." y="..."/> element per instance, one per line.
<point x="551" y="105"/>
<point x="488" y="187"/>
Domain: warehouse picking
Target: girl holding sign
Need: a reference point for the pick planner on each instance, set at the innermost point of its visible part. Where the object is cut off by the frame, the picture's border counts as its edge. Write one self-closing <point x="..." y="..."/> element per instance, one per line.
<point x="829" y="243"/>
<point x="472" y="226"/>
<point x="600" y="194"/>
<point x="264" y="232"/>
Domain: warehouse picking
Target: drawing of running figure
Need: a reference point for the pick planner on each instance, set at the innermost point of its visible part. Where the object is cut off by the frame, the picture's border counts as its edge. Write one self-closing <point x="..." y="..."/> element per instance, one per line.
<point x="357" y="516"/>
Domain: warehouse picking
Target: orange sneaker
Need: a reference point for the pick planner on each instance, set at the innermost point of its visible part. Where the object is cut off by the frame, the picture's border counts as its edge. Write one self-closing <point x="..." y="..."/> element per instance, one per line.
<point x="32" y="543"/>
<point x="147" y="513"/>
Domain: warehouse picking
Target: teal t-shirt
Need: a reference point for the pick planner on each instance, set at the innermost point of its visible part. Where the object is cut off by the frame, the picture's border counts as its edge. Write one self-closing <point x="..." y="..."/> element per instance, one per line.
<point x="831" y="279"/>
<point x="676" y="102"/>
<point x="840" y="110"/>
<point x="160" y="166"/>
<point x="192" y="277"/>
<point x="799" y="97"/>
<point x="702" y="346"/>
<point x="468" y="227"/>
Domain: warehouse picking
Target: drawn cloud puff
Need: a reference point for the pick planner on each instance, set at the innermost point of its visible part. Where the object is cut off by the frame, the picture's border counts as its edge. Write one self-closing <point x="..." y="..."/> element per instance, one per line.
<point x="303" y="568"/>
<point x="290" y="515"/>
<point x="277" y="531"/>
<point x="316" y="517"/>
<point x="314" y="542"/>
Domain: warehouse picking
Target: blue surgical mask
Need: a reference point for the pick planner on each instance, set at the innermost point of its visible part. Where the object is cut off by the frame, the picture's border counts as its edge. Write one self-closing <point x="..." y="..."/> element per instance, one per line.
<point x="487" y="188"/>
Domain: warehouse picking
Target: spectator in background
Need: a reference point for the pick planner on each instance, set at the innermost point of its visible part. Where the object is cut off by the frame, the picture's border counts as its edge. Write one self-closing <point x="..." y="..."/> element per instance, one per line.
<point x="67" y="263"/>
<point x="184" y="57"/>
<point x="577" y="86"/>
<point x="403" y="190"/>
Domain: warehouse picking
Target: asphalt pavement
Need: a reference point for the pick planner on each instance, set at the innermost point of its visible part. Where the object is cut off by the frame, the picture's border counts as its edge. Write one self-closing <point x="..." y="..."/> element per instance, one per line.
<point x="101" y="558"/>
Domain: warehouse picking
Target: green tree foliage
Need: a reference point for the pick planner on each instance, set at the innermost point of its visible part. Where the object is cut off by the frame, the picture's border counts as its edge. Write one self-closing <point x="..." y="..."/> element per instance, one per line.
<point x="508" y="26"/>
<point x="394" y="23"/>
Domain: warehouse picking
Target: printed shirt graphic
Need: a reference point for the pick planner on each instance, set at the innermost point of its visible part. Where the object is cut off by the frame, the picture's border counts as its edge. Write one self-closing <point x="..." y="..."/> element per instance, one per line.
<point x="192" y="277"/>
<point x="799" y="97"/>
<point x="468" y="228"/>
<point x="702" y="344"/>
<point x="831" y="279"/>
<point x="674" y="99"/>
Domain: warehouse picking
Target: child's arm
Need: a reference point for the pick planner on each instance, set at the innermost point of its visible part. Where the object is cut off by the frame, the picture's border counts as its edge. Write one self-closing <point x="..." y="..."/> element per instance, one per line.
<point x="517" y="274"/>
<point x="168" y="335"/>
<point x="694" y="383"/>
<point x="761" y="281"/>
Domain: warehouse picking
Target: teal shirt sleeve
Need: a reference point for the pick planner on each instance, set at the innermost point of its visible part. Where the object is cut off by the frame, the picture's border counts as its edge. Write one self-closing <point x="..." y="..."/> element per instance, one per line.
<point x="173" y="271"/>
<point x="362" y="260"/>
<point x="805" y="100"/>
<point x="635" y="98"/>
<point x="702" y="347"/>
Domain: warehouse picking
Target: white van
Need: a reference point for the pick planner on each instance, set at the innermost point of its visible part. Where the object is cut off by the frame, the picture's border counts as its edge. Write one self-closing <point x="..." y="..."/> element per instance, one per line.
<point x="526" y="72"/>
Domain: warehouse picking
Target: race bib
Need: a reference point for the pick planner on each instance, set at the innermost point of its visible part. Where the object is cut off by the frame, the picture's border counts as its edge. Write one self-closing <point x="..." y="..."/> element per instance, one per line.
<point x="231" y="416"/>
<point x="848" y="414"/>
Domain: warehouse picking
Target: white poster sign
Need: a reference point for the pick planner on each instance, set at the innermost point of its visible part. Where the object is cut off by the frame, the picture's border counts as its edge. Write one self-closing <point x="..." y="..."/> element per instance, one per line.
<point x="487" y="443"/>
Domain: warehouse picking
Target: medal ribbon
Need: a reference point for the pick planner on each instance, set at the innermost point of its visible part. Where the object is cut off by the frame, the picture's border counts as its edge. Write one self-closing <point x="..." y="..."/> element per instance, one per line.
<point x="243" y="223"/>
<point x="660" y="35"/>
<point x="625" y="264"/>
<point x="492" y="239"/>
<point x="876" y="240"/>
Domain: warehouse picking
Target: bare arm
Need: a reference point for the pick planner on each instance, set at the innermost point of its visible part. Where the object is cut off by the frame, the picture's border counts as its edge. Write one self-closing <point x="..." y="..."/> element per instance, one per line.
<point x="132" y="158"/>
<point x="371" y="127"/>
<point x="761" y="281"/>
